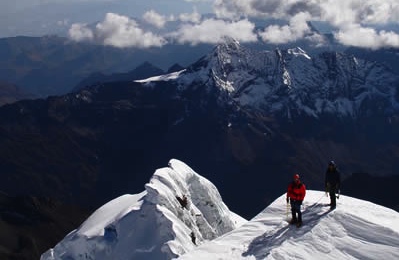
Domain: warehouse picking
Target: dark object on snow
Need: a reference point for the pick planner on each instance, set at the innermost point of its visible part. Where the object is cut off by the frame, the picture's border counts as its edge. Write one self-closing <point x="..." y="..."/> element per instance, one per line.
<point x="193" y="238"/>
<point x="332" y="182"/>
<point x="183" y="201"/>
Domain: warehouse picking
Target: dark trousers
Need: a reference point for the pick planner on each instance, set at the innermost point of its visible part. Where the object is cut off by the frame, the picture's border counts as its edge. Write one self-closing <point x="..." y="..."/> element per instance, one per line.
<point x="332" y="190"/>
<point x="296" y="209"/>
<point x="333" y="199"/>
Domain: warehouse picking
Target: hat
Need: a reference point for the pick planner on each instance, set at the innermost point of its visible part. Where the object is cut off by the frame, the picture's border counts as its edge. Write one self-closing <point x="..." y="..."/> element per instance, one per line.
<point x="296" y="176"/>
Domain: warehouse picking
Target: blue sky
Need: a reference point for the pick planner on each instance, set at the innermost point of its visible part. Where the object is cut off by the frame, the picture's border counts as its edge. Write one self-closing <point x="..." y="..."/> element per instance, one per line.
<point x="142" y="23"/>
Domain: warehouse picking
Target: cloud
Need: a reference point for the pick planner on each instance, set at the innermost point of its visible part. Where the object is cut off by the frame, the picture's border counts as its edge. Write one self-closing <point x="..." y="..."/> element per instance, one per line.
<point x="342" y="12"/>
<point x="194" y="17"/>
<point x="213" y="31"/>
<point x="155" y="19"/>
<point x="118" y="31"/>
<point x="354" y="23"/>
<point x="80" y="32"/>
<point x="234" y="9"/>
<point x="297" y="29"/>
<point x="346" y="16"/>
<point x="359" y="11"/>
<point x="355" y="35"/>
<point x="159" y="20"/>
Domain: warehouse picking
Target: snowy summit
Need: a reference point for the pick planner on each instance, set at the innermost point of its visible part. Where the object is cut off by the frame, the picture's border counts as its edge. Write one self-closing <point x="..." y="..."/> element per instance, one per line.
<point x="160" y="223"/>
<point x="178" y="210"/>
<point x="357" y="229"/>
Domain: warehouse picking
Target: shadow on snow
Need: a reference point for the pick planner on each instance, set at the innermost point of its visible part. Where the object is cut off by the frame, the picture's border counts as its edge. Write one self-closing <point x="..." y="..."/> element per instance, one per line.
<point x="261" y="246"/>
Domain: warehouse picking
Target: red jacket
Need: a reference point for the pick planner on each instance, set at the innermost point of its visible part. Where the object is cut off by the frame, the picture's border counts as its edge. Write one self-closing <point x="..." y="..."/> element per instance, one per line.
<point x="296" y="191"/>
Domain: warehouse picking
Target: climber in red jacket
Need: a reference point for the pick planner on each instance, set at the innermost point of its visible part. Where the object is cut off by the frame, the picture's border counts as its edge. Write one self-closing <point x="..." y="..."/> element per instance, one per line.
<point x="295" y="195"/>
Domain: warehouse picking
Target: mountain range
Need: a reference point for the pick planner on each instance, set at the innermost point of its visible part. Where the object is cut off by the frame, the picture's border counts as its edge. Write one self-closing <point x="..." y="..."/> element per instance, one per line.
<point x="155" y="224"/>
<point x="249" y="119"/>
<point x="53" y="65"/>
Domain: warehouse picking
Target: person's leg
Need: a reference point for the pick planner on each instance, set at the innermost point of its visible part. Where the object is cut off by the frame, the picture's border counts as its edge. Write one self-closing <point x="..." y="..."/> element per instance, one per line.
<point x="293" y="212"/>
<point x="298" y="210"/>
<point x="333" y="199"/>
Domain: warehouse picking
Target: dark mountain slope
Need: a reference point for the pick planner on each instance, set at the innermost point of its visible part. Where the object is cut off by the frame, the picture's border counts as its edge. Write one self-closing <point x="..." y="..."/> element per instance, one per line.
<point x="30" y="224"/>
<point x="10" y="93"/>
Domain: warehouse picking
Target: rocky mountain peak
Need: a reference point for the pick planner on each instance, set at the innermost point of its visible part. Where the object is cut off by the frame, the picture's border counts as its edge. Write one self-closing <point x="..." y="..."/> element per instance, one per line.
<point x="289" y="82"/>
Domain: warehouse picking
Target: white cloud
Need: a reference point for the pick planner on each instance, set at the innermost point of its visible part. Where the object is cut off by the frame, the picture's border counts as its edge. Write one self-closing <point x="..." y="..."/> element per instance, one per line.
<point x="194" y="17"/>
<point x="359" y="11"/>
<point x="234" y="9"/>
<point x="296" y="29"/>
<point x="355" y="35"/>
<point x="155" y="19"/>
<point x="353" y="22"/>
<point x="213" y="31"/>
<point x="80" y="32"/>
<point x="342" y="14"/>
<point x="118" y="31"/>
<point x="159" y="20"/>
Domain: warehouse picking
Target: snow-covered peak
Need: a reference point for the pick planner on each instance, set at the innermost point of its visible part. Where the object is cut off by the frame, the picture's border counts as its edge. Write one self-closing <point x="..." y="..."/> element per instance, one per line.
<point x="229" y="44"/>
<point x="155" y="224"/>
<point x="228" y="67"/>
<point x="357" y="229"/>
<point x="293" y="83"/>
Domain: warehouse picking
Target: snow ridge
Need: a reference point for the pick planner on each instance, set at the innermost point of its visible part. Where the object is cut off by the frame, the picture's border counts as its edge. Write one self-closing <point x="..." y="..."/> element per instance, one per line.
<point x="152" y="224"/>
<point x="357" y="229"/>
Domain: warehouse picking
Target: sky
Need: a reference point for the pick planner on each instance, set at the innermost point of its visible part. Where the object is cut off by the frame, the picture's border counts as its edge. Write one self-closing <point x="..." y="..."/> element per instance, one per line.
<point x="153" y="225"/>
<point x="141" y="23"/>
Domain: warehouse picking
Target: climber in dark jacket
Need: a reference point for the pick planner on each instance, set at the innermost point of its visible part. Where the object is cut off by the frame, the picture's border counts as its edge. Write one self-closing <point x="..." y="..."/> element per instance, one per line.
<point x="332" y="182"/>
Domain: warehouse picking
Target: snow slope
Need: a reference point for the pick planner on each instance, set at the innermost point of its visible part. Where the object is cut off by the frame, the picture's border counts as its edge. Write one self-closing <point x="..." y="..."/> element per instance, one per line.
<point x="152" y="224"/>
<point x="357" y="229"/>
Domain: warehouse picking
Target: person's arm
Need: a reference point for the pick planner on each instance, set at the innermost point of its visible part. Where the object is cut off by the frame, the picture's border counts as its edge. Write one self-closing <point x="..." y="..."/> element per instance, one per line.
<point x="303" y="192"/>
